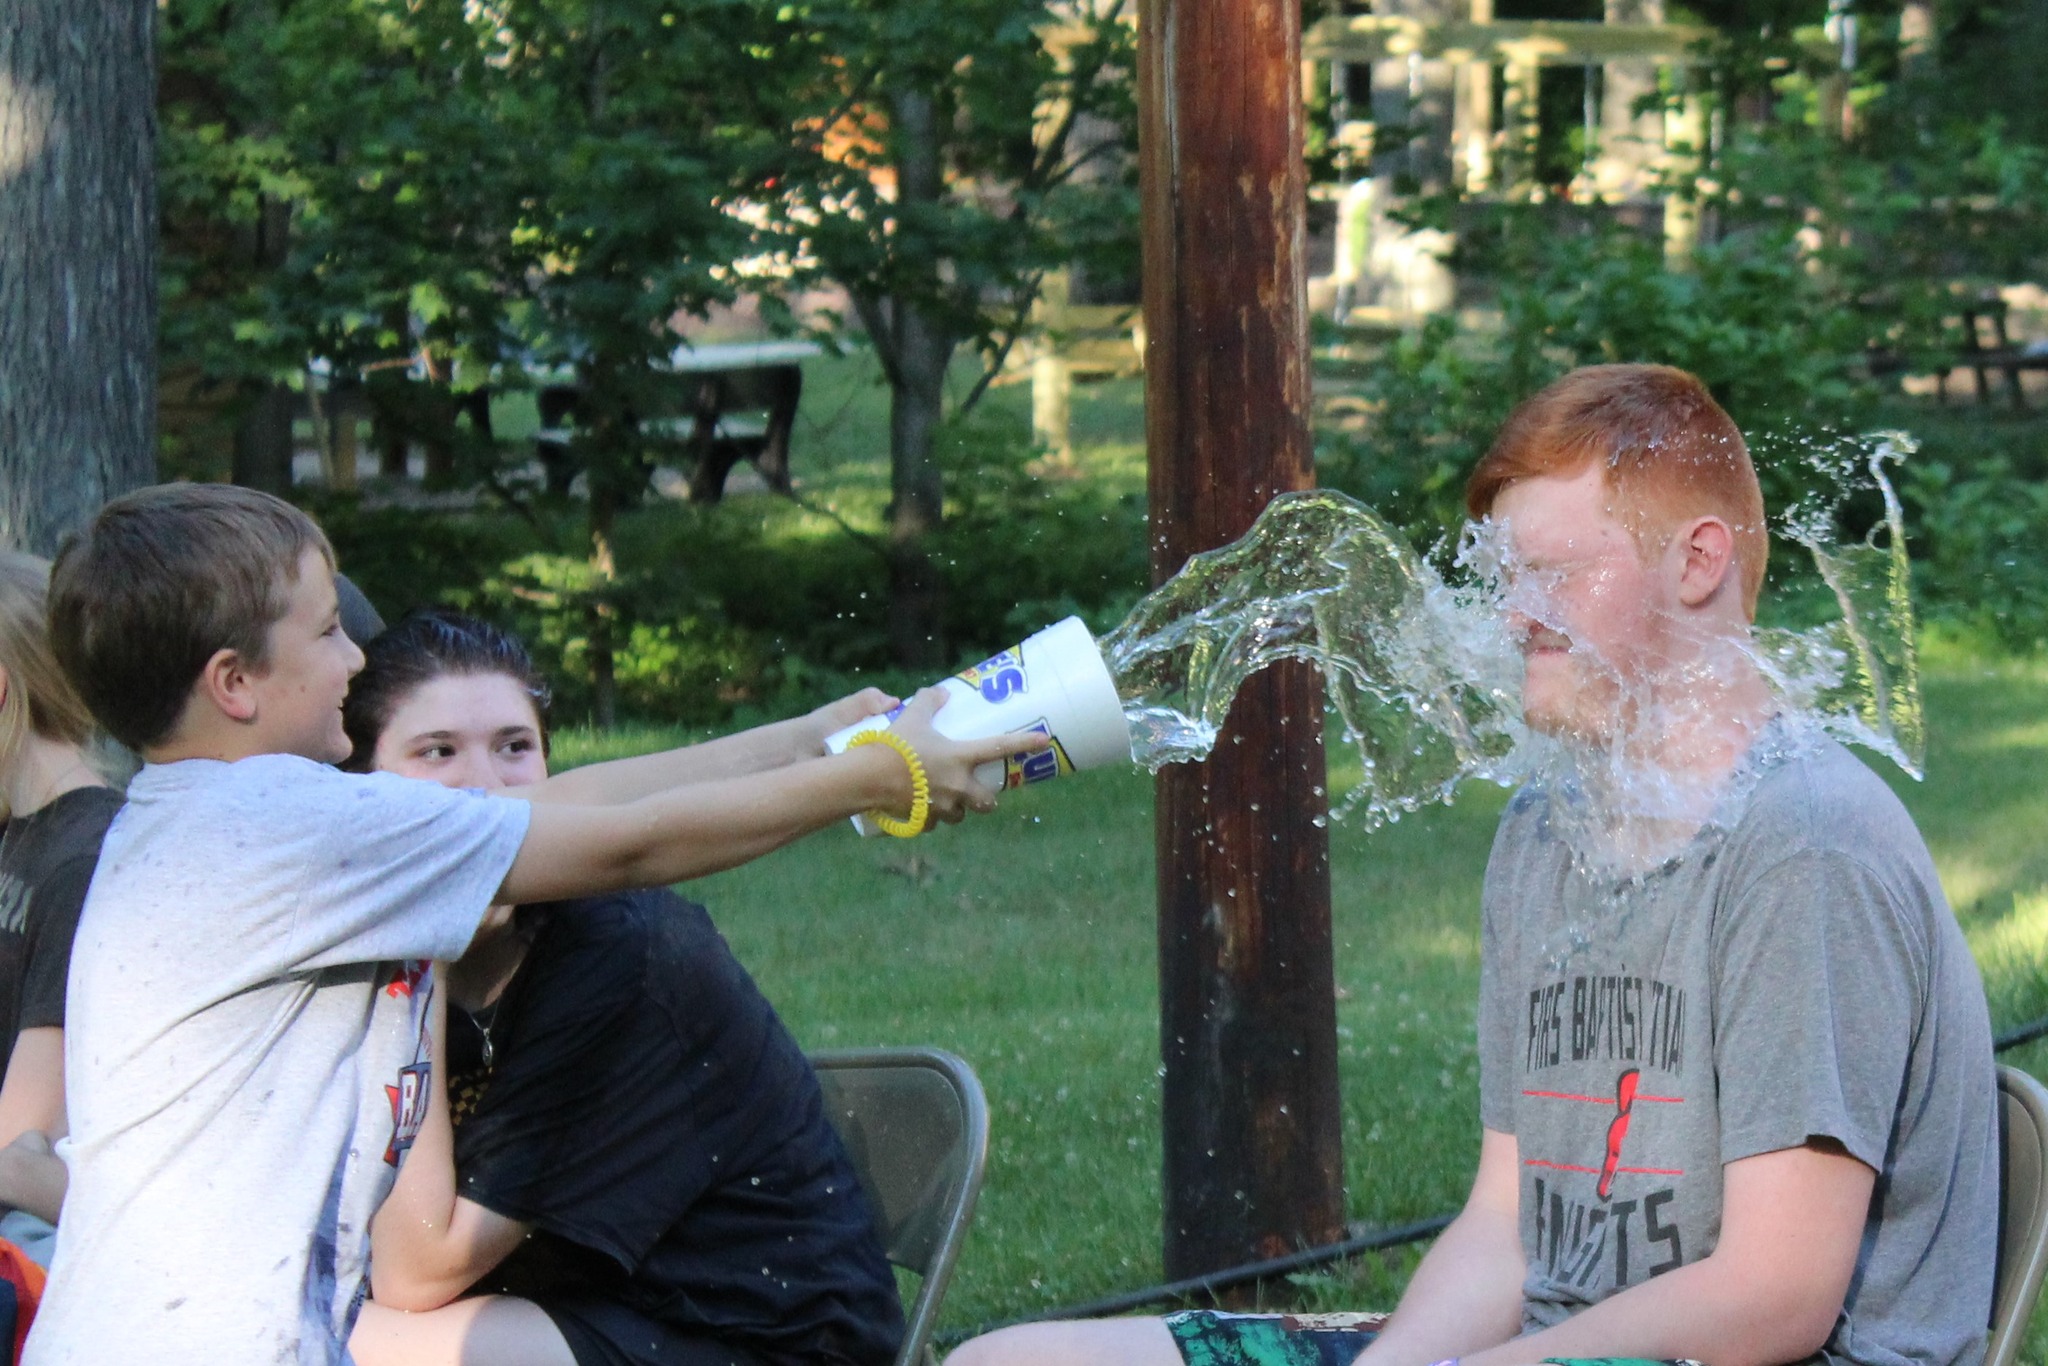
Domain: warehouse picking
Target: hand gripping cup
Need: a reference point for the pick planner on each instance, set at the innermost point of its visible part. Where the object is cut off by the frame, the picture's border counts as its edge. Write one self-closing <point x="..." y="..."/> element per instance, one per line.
<point x="1054" y="683"/>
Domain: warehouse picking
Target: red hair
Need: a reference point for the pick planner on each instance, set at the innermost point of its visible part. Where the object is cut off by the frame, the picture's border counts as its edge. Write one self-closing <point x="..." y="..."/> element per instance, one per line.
<point x="1669" y="451"/>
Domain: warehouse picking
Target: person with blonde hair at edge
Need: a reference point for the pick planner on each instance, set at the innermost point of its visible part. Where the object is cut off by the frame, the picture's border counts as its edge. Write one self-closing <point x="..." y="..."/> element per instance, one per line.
<point x="58" y="807"/>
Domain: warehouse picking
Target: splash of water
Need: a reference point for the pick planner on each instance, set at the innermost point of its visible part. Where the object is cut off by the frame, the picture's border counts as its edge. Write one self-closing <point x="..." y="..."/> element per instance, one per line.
<point x="1858" y="676"/>
<point x="1425" y="682"/>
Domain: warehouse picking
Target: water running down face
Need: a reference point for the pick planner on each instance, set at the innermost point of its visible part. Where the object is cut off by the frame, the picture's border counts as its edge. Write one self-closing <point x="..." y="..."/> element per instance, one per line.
<point x="1581" y="604"/>
<point x="1615" y="628"/>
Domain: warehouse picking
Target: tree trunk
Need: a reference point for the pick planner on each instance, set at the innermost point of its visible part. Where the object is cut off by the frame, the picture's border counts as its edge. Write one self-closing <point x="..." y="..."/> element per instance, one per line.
<point x="614" y="480"/>
<point x="263" y="440"/>
<point x="917" y="501"/>
<point x="601" y="613"/>
<point x="919" y="351"/>
<point x="77" y="261"/>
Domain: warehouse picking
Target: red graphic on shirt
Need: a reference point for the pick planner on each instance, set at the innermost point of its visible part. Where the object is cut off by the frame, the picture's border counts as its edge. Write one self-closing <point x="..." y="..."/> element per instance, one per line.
<point x="408" y="1108"/>
<point x="404" y="978"/>
<point x="1624" y="1102"/>
<point x="1617" y="1129"/>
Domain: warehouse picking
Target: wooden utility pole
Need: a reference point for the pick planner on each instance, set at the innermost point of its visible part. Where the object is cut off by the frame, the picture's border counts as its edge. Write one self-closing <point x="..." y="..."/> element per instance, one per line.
<point x="1253" y="1151"/>
<point x="77" y="261"/>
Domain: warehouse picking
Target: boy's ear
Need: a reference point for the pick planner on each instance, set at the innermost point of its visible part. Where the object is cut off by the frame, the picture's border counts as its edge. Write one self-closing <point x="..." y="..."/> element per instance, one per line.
<point x="224" y="682"/>
<point x="1708" y="549"/>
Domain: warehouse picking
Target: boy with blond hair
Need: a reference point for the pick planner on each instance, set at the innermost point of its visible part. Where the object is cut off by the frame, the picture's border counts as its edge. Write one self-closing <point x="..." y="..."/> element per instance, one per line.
<point x="249" y="986"/>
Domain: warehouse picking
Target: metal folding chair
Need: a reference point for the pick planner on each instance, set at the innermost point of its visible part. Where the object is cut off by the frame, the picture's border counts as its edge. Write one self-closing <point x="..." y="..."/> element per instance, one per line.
<point x="2023" y="1211"/>
<point x="916" y="1125"/>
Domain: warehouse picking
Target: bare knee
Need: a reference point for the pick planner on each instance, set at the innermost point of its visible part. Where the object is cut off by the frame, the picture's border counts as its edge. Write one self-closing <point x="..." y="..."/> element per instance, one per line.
<point x="1089" y="1342"/>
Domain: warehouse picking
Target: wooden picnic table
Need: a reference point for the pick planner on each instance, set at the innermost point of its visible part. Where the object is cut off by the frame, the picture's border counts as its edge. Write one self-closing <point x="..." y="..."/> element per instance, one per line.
<point x="737" y="401"/>
<point x="1984" y="345"/>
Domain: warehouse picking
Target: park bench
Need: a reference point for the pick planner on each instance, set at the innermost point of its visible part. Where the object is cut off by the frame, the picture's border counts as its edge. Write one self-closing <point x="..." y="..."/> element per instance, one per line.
<point x="734" y="401"/>
<point x="1983" y="344"/>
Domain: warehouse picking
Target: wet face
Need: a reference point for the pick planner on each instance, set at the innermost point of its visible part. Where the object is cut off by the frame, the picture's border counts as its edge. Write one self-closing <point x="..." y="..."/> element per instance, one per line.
<point x="308" y="663"/>
<point x="465" y="730"/>
<point x="1592" y="617"/>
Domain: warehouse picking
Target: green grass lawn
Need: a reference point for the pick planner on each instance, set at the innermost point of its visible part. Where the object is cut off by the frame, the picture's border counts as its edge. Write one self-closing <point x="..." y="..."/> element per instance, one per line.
<point x="1025" y="942"/>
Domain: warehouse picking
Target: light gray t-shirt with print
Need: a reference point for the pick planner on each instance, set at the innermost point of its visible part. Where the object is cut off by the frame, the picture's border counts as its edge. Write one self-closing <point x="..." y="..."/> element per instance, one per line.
<point x="1793" y="973"/>
<point x="244" y="1051"/>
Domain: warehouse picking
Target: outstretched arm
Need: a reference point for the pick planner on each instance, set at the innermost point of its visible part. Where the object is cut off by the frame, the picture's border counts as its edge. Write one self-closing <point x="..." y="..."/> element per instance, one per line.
<point x="427" y="1244"/>
<point x="1770" y="1291"/>
<point x="1467" y="1294"/>
<point x="732" y="756"/>
<point x="687" y="832"/>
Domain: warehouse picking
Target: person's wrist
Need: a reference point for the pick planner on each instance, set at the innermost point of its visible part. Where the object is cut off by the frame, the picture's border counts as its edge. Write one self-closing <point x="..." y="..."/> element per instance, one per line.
<point x="919" y="813"/>
<point x="804" y="736"/>
<point x="886" y="783"/>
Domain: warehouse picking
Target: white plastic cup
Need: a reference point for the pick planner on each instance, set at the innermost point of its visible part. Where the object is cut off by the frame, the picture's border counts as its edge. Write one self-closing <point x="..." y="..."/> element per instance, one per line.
<point x="1054" y="683"/>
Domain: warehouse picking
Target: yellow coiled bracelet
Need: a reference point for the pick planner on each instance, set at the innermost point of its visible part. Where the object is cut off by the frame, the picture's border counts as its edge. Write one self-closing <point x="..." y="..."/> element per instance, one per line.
<point x="920" y="786"/>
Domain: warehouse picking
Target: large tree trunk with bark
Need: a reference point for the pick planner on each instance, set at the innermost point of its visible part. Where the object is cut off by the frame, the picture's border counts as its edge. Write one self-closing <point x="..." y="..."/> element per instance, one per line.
<point x="77" y="261"/>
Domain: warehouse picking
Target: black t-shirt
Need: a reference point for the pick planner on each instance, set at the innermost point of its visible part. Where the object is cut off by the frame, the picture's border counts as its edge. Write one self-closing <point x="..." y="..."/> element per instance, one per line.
<point x="648" y="1112"/>
<point x="46" y="863"/>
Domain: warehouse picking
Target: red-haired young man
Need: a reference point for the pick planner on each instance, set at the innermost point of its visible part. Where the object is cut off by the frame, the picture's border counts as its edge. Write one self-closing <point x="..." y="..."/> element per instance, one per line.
<point x="1737" y="1101"/>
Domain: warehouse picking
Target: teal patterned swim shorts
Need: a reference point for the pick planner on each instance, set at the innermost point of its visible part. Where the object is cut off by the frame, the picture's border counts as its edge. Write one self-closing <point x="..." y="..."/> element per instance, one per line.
<point x="1212" y="1338"/>
<point x="1209" y="1337"/>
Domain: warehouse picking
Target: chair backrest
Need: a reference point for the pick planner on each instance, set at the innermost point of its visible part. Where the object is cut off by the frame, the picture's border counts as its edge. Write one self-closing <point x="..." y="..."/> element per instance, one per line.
<point x="916" y="1125"/>
<point x="2023" y="1211"/>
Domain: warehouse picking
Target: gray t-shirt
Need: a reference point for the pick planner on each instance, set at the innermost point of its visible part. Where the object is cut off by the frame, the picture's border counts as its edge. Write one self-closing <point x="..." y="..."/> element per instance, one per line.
<point x="1794" y="973"/>
<point x="244" y="1051"/>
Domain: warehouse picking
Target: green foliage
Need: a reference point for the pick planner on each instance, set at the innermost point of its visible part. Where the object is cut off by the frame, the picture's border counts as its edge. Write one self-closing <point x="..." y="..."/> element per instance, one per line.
<point x="1823" y="265"/>
<point x="1897" y="232"/>
<point x="443" y="197"/>
<point x="958" y="149"/>
<point x="1978" y="533"/>
<point x="1024" y="545"/>
<point x="755" y="607"/>
<point x="1435" y="404"/>
<point x="404" y="558"/>
<point x="1749" y="317"/>
<point x="676" y="659"/>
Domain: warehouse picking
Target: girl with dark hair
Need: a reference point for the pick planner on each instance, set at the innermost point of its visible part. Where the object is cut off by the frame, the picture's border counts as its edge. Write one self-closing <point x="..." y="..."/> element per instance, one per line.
<point x="623" y="1158"/>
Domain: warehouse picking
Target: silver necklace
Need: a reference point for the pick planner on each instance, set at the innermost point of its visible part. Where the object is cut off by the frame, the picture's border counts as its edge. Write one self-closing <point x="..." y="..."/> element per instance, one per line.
<point x="483" y="1021"/>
